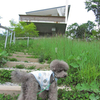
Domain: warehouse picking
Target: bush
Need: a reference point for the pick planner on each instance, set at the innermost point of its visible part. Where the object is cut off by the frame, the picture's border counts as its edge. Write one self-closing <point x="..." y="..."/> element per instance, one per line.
<point x="3" y="57"/>
<point x="31" y="67"/>
<point x="76" y="95"/>
<point x="13" y="59"/>
<point x="7" y="97"/>
<point x="5" y="76"/>
<point x="41" y="58"/>
<point x="20" y="66"/>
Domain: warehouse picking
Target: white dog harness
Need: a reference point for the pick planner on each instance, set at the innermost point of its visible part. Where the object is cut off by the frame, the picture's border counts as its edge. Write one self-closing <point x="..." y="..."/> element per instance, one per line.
<point x="43" y="78"/>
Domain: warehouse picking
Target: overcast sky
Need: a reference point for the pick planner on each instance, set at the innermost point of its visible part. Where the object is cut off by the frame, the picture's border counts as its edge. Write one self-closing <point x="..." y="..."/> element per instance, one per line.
<point x="10" y="9"/>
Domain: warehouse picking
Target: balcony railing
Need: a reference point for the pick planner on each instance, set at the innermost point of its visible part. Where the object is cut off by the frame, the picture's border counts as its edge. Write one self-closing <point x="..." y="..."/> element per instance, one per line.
<point x="35" y="18"/>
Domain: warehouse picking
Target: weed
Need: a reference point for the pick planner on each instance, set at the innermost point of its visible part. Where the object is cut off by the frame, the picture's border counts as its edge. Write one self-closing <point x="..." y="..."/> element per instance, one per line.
<point x="26" y="61"/>
<point x="5" y="76"/>
<point x="20" y="66"/>
<point x="3" y="57"/>
<point x="12" y="59"/>
<point x="31" y="67"/>
<point x="41" y="58"/>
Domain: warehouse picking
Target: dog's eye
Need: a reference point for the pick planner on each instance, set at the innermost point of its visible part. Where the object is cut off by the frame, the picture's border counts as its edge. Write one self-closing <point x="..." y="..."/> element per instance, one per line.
<point x="65" y="70"/>
<point x="59" y="71"/>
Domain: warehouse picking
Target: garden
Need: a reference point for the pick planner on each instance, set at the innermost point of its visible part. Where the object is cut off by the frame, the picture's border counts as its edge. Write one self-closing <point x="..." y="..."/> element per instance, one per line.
<point x="82" y="57"/>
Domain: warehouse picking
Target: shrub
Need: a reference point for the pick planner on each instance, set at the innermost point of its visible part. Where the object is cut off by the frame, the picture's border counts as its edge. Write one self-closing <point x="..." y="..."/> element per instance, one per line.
<point x="20" y="66"/>
<point x="41" y="58"/>
<point x="8" y="97"/>
<point x="76" y="95"/>
<point x="31" y="67"/>
<point x="5" y="76"/>
<point x="3" y="57"/>
<point x="12" y="59"/>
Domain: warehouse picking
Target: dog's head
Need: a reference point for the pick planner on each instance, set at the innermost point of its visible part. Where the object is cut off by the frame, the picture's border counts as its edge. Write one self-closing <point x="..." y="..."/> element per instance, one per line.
<point x="59" y="68"/>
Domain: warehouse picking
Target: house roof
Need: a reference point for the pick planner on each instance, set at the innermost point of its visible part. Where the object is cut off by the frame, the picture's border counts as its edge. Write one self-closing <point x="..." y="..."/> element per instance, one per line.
<point x="50" y="11"/>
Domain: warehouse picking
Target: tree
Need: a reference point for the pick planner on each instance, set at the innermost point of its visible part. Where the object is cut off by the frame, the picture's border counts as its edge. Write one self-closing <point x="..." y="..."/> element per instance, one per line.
<point x="90" y="26"/>
<point x="72" y="28"/>
<point x="85" y="30"/>
<point x="81" y="31"/>
<point x="22" y="29"/>
<point x="94" y="5"/>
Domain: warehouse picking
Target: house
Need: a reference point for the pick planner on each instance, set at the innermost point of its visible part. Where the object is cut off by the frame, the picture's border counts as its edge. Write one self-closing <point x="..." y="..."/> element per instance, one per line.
<point x="48" y="21"/>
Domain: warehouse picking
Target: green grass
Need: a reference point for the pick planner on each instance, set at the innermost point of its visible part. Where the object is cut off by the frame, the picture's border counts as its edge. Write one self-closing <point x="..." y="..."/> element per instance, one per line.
<point x="65" y="48"/>
<point x="83" y="57"/>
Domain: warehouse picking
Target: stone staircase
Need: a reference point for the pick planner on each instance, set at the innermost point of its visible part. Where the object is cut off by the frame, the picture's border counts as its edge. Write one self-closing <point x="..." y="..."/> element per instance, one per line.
<point x="21" y="60"/>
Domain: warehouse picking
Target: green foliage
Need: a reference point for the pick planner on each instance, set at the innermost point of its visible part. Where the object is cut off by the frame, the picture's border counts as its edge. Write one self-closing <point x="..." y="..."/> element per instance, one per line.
<point x="41" y="58"/>
<point x="82" y="57"/>
<point x="94" y="97"/>
<point x="92" y="87"/>
<point x="62" y="95"/>
<point x="3" y="57"/>
<point x="8" y="97"/>
<point x="15" y="97"/>
<point x="31" y="67"/>
<point x="20" y="66"/>
<point x="93" y="5"/>
<point x="5" y="76"/>
<point x="72" y="28"/>
<point x="81" y="31"/>
<point x="12" y="59"/>
<point x="22" y="29"/>
<point x="26" y="61"/>
<point x="77" y="95"/>
<point x="30" y="30"/>
<point x="72" y="95"/>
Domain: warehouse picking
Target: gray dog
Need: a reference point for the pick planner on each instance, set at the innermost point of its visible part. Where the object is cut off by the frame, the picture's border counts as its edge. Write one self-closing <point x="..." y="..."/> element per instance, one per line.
<point x="44" y="80"/>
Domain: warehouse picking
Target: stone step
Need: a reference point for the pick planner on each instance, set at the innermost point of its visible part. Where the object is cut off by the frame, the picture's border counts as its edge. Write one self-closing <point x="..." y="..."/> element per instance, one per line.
<point x="11" y="64"/>
<point x="15" y="90"/>
<point x="10" y="90"/>
<point x="25" y="59"/>
<point x="26" y="70"/>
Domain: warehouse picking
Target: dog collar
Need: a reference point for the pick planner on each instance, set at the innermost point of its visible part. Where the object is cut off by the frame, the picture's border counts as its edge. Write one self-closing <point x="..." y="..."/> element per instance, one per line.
<point x="54" y="78"/>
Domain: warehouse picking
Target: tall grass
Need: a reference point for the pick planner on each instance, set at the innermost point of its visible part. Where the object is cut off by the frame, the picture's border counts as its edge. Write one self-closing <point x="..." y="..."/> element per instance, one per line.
<point x="83" y="57"/>
<point x="64" y="48"/>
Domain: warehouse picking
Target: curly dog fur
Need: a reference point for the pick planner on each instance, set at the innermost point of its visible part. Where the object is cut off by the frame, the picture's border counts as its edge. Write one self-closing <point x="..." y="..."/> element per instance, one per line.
<point x="30" y="85"/>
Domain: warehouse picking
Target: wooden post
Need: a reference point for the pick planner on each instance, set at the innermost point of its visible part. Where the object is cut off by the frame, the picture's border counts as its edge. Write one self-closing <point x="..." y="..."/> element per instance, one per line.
<point x="14" y="38"/>
<point x="27" y="41"/>
<point x="10" y="39"/>
<point x="6" y="40"/>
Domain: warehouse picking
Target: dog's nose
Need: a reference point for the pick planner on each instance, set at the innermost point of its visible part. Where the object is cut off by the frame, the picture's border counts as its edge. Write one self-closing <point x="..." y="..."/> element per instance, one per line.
<point x="65" y="75"/>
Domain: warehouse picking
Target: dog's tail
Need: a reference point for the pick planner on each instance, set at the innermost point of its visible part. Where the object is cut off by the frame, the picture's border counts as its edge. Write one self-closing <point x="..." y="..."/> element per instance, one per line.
<point x="18" y="76"/>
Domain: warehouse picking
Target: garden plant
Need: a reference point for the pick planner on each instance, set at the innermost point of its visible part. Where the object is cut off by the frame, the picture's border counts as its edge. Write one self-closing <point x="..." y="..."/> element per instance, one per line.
<point x="83" y="58"/>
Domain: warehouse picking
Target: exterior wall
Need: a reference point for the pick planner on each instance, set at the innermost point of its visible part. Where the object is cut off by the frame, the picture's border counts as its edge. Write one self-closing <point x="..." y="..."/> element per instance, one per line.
<point x="46" y="25"/>
<point x="47" y="28"/>
<point x="33" y="18"/>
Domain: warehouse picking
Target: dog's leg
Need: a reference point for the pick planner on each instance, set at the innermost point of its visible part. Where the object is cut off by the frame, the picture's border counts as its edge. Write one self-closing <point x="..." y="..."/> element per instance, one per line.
<point x="43" y="95"/>
<point x="20" y="97"/>
<point x="23" y="92"/>
<point x="32" y="88"/>
<point x="53" y="91"/>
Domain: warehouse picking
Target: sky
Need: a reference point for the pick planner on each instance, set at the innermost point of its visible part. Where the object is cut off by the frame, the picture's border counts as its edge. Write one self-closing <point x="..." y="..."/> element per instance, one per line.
<point x="10" y="9"/>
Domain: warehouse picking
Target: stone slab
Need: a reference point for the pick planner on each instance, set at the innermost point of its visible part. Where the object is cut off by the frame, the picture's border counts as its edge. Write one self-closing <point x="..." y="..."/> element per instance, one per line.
<point x="11" y="64"/>
<point x="10" y="90"/>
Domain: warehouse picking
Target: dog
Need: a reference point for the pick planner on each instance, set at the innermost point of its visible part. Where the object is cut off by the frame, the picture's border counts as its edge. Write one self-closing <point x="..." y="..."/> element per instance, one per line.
<point x="32" y="81"/>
